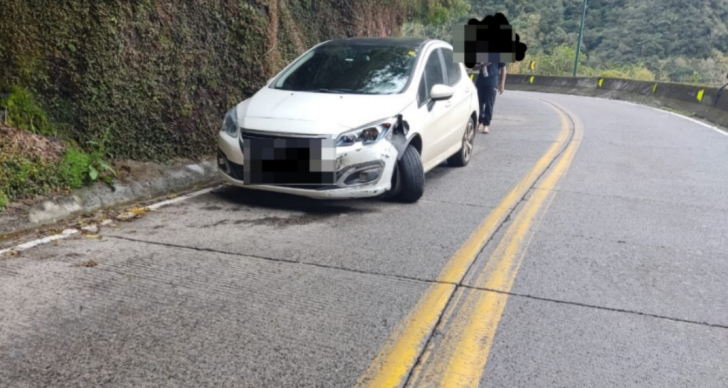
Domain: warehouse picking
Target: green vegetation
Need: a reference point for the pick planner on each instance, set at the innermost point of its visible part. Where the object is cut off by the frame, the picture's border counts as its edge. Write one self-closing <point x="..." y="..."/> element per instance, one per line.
<point x="23" y="112"/>
<point x="674" y="41"/>
<point x="22" y="177"/>
<point x="74" y="169"/>
<point x="25" y="176"/>
<point x="31" y="164"/>
<point x="97" y="167"/>
<point x="560" y="62"/>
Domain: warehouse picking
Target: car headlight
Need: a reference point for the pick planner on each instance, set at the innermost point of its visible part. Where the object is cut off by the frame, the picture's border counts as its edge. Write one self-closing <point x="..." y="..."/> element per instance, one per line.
<point x="368" y="134"/>
<point x="230" y="123"/>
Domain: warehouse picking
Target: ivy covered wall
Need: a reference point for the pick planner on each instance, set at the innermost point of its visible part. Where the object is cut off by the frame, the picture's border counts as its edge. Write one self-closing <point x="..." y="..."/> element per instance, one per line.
<point x="157" y="76"/>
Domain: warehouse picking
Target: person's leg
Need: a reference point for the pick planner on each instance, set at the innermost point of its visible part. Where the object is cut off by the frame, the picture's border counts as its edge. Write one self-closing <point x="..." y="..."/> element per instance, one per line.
<point x="482" y="98"/>
<point x="490" y="94"/>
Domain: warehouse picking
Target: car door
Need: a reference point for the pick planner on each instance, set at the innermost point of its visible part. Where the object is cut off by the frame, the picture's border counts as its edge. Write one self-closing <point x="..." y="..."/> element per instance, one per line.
<point x="433" y="115"/>
<point x="459" y="113"/>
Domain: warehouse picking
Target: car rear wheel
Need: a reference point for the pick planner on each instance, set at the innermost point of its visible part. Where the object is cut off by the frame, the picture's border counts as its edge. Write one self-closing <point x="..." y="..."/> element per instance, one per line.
<point x="463" y="156"/>
<point x="408" y="180"/>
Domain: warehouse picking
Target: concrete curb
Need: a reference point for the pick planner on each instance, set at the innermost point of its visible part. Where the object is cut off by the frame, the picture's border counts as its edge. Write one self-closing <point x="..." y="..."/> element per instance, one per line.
<point x="100" y="196"/>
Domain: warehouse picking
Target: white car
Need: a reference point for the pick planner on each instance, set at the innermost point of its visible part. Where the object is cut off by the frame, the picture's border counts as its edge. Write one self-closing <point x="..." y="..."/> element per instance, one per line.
<point x="353" y="118"/>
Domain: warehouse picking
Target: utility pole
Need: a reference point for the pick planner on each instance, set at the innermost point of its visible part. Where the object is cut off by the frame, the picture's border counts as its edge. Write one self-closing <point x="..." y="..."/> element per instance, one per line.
<point x="581" y="31"/>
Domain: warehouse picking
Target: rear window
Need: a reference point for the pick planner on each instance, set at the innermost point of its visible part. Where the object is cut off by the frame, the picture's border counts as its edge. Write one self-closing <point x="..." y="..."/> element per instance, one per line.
<point x="355" y="69"/>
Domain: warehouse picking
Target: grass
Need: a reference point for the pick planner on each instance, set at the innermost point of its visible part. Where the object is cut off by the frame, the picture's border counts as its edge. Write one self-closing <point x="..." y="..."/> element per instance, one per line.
<point x="26" y="175"/>
<point x="32" y="163"/>
<point x="74" y="169"/>
<point x="22" y="112"/>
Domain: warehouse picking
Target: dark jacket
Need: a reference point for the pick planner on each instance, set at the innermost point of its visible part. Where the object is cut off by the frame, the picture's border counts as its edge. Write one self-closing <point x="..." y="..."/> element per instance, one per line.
<point x="493" y="74"/>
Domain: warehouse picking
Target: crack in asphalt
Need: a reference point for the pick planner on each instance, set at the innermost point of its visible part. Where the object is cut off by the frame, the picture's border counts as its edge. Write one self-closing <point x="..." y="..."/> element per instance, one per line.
<point x="279" y="260"/>
<point x="633" y="198"/>
<point x="593" y="306"/>
<point x="428" y="281"/>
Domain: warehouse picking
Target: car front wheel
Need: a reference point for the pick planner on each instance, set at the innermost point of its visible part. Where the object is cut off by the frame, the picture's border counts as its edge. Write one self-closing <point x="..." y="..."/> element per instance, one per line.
<point x="408" y="181"/>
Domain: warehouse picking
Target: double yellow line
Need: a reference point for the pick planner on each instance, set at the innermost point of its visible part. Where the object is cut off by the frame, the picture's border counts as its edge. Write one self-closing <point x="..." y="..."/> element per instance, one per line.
<point x="458" y="361"/>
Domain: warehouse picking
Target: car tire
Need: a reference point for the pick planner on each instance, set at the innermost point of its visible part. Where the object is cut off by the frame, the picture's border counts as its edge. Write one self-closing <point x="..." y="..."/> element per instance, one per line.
<point x="463" y="156"/>
<point x="408" y="180"/>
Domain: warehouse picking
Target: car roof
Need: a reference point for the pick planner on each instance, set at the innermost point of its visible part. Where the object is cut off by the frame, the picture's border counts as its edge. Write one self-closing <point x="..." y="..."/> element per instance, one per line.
<point x="380" y="41"/>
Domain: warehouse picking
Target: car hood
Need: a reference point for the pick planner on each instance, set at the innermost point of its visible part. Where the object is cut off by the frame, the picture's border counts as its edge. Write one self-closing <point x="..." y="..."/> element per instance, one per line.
<point x="316" y="113"/>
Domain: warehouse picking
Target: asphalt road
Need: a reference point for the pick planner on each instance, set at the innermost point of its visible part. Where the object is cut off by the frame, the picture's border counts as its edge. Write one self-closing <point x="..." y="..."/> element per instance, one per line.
<point x="584" y="246"/>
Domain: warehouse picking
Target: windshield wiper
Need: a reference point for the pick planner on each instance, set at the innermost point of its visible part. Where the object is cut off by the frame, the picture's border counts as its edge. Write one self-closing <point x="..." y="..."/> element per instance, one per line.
<point x="324" y="90"/>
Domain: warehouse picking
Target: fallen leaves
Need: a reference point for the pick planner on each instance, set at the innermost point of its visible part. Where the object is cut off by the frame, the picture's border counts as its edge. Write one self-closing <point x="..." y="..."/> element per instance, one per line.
<point x="90" y="229"/>
<point x="140" y="211"/>
<point x="29" y="144"/>
<point x="126" y="216"/>
<point x="53" y="232"/>
<point x="133" y="213"/>
<point x="87" y="264"/>
<point x="11" y="253"/>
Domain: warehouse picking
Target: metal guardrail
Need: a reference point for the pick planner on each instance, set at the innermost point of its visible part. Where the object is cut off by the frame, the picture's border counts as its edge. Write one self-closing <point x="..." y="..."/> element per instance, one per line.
<point x="709" y="103"/>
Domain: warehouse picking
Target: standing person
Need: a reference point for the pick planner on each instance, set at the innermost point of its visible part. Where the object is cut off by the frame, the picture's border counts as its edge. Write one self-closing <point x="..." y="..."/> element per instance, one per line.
<point x="491" y="80"/>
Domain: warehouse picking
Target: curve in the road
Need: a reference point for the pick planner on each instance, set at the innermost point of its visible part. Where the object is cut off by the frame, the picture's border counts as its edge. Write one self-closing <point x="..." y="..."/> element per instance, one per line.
<point x="393" y="366"/>
<point x="459" y="360"/>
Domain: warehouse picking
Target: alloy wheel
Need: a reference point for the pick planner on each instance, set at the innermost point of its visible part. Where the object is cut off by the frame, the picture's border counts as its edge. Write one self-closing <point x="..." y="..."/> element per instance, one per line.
<point x="468" y="140"/>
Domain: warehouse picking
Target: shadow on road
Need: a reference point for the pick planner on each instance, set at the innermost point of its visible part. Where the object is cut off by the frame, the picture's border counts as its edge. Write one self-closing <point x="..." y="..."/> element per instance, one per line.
<point x="287" y="202"/>
<point x="278" y="201"/>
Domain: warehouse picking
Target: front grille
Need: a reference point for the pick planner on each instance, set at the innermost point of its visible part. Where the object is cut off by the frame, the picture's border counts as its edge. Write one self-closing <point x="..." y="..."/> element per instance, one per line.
<point x="276" y="135"/>
<point x="237" y="172"/>
<point x="309" y="187"/>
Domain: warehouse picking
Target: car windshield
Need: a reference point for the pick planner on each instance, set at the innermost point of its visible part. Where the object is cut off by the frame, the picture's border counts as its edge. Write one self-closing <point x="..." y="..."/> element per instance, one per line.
<point x="354" y="69"/>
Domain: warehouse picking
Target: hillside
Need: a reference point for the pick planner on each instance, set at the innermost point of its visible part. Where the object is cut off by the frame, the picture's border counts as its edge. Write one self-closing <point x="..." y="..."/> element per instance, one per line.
<point x="674" y="40"/>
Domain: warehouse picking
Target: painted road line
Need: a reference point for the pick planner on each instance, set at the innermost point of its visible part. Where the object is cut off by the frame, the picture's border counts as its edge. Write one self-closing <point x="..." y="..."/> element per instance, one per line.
<point x="460" y="359"/>
<point x="180" y="198"/>
<point x="41" y="241"/>
<point x="457" y="266"/>
<point x="721" y="131"/>
<point x="70" y="232"/>
<point x="393" y="363"/>
<point x="392" y="366"/>
<point x="444" y="321"/>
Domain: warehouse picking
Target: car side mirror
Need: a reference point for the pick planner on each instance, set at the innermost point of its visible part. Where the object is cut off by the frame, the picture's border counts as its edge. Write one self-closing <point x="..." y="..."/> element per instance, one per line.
<point x="441" y="92"/>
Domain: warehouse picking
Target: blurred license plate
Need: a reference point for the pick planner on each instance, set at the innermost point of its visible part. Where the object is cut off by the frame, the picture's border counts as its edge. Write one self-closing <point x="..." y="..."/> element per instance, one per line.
<point x="288" y="161"/>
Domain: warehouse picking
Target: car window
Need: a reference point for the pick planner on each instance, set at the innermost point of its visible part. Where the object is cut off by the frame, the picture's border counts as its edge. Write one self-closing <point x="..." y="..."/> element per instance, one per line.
<point x="422" y="94"/>
<point x="347" y="68"/>
<point x="454" y="74"/>
<point x="434" y="74"/>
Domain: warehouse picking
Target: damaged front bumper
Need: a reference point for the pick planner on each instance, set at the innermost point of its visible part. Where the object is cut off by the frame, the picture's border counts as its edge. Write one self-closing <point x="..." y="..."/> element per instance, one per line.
<point x="362" y="171"/>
